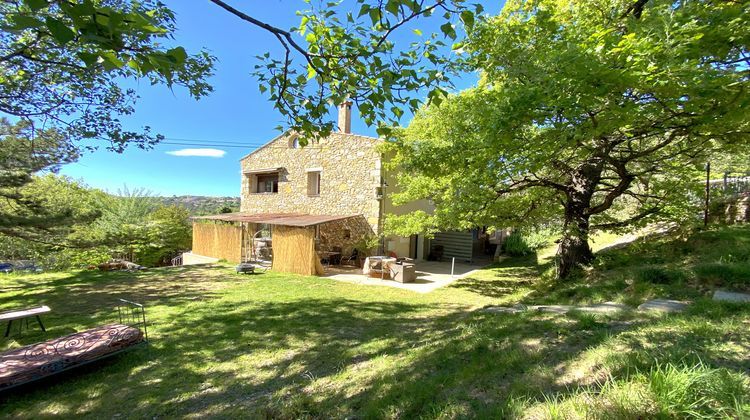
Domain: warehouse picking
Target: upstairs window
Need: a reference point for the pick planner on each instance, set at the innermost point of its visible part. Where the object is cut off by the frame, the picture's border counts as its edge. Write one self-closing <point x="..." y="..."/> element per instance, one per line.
<point x="313" y="183"/>
<point x="268" y="183"/>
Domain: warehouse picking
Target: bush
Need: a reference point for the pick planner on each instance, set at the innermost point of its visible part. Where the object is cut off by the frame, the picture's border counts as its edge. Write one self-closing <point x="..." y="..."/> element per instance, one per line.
<point x="659" y="275"/>
<point x="515" y="245"/>
<point x="723" y="274"/>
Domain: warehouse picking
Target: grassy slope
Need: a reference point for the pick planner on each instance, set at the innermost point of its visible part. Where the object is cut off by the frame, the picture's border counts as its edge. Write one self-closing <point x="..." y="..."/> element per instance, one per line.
<point x="284" y="346"/>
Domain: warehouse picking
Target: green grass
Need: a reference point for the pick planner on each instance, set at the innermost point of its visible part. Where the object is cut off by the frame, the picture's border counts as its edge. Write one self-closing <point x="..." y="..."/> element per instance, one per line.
<point x="281" y="346"/>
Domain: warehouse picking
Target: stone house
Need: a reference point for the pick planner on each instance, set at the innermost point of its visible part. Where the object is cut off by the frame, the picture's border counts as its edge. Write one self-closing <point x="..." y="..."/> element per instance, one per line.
<point x="336" y="188"/>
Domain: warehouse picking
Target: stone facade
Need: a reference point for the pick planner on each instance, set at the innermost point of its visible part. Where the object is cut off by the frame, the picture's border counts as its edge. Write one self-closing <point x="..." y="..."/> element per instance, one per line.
<point x="350" y="175"/>
<point x="351" y="179"/>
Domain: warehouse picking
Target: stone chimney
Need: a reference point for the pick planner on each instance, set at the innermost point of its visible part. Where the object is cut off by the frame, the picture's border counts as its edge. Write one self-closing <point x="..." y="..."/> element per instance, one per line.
<point x="345" y="117"/>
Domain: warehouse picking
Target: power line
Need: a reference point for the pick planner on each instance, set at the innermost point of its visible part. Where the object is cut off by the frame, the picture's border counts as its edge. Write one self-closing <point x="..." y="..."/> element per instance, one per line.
<point x="232" y="145"/>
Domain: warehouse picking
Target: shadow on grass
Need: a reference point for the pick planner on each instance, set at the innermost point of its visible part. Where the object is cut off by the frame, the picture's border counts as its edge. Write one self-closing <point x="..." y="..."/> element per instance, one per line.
<point x="256" y="351"/>
<point x="503" y="278"/>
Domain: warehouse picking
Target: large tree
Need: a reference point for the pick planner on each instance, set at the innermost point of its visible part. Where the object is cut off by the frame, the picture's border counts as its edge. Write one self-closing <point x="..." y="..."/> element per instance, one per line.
<point x="29" y="211"/>
<point x="63" y="65"/>
<point x="596" y="112"/>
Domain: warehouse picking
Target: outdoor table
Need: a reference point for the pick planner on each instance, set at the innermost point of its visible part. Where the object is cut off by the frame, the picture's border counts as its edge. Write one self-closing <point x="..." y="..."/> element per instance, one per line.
<point x="386" y="263"/>
<point x="328" y="256"/>
<point x="11" y="316"/>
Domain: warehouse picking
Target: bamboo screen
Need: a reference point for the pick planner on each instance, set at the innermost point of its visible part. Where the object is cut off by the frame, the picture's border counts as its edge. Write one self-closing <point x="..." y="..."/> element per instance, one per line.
<point x="294" y="250"/>
<point x="218" y="241"/>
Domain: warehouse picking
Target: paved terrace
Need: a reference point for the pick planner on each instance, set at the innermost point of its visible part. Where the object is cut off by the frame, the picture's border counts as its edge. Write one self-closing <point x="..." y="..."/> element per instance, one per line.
<point x="430" y="275"/>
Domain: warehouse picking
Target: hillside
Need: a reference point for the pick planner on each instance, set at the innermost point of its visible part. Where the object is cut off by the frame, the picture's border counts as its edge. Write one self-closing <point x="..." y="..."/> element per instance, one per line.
<point x="199" y="205"/>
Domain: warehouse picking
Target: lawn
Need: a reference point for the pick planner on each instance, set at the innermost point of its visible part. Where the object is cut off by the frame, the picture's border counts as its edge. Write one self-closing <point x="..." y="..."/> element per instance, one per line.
<point x="282" y="346"/>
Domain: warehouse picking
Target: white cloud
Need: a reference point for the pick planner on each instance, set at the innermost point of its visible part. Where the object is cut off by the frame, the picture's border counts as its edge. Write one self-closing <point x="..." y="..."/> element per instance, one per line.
<point x="214" y="153"/>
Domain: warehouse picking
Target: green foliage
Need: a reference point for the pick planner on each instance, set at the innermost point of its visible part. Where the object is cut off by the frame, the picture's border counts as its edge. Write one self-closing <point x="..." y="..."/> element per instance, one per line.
<point x="724" y="274"/>
<point x="76" y="55"/>
<point x="367" y="244"/>
<point x="515" y="245"/>
<point x="697" y="391"/>
<point x="338" y="53"/>
<point x="132" y="225"/>
<point x="37" y="208"/>
<point x="659" y="275"/>
<point x="587" y="114"/>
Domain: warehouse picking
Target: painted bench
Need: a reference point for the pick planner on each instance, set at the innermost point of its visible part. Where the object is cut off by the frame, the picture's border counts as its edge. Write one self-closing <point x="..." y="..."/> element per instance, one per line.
<point x="11" y="316"/>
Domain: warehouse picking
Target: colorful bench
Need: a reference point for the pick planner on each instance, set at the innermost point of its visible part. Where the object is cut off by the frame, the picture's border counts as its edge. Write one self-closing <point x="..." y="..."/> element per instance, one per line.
<point x="37" y="361"/>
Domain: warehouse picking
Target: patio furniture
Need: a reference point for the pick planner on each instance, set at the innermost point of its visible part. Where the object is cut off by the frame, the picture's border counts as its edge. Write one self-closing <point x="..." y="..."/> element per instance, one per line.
<point x="379" y="266"/>
<point x="329" y="257"/>
<point x="400" y="259"/>
<point x="404" y="272"/>
<point x="354" y="258"/>
<point x="22" y="314"/>
<point x="36" y="361"/>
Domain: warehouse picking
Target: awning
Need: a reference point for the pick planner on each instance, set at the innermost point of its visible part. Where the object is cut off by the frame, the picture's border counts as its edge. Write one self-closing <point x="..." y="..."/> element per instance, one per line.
<point x="283" y="219"/>
<point x="262" y="171"/>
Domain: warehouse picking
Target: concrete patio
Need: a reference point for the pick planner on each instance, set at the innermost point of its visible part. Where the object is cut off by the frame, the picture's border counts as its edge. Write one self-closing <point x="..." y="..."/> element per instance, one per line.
<point x="431" y="275"/>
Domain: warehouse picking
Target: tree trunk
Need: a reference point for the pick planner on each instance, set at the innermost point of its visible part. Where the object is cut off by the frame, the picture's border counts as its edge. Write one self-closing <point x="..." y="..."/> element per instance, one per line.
<point x="574" y="247"/>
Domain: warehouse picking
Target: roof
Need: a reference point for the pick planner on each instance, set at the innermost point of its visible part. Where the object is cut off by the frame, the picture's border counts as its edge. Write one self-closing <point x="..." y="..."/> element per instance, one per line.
<point x="284" y="219"/>
<point x="263" y="171"/>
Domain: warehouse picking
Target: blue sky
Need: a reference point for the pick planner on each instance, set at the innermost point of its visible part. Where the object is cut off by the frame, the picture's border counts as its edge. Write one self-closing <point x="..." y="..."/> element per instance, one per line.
<point x="236" y="112"/>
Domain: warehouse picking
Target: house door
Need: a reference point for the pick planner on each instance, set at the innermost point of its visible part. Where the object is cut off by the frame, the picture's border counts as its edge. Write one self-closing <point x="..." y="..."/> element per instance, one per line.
<point x="414" y="246"/>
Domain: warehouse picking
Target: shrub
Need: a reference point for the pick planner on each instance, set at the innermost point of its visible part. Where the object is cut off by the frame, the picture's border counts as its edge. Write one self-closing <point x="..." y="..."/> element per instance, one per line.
<point x="659" y="275"/>
<point x="723" y="273"/>
<point x="515" y="245"/>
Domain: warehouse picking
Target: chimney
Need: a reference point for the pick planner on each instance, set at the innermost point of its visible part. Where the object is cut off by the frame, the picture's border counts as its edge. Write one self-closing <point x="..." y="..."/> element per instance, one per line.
<point x="345" y="117"/>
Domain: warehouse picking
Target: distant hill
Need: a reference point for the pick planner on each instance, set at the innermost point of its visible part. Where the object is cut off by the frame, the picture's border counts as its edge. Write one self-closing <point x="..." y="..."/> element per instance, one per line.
<point x="199" y="205"/>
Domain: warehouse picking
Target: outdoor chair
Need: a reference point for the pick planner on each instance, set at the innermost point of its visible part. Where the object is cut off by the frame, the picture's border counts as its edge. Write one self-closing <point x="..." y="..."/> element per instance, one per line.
<point x="352" y="259"/>
<point x="336" y="258"/>
<point x="400" y="260"/>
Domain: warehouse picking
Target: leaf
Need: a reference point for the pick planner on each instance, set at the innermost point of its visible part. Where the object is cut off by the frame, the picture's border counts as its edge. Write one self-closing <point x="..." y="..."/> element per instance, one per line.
<point x="417" y="32"/>
<point x="311" y="72"/>
<point x="178" y="54"/>
<point x="110" y="61"/>
<point x="467" y="17"/>
<point x="25" y="22"/>
<point x="448" y="30"/>
<point x="392" y="7"/>
<point x="364" y="10"/>
<point x="36" y="5"/>
<point x="59" y="30"/>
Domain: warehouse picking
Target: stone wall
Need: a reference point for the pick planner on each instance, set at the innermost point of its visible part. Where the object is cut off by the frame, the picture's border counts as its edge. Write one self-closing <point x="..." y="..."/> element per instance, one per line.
<point x="350" y="169"/>
<point x="344" y="234"/>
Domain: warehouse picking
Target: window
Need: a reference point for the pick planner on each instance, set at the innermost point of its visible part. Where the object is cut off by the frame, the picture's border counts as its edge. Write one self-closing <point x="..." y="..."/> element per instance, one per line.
<point x="313" y="183"/>
<point x="347" y="234"/>
<point x="268" y="183"/>
<point x="294" y="143"/>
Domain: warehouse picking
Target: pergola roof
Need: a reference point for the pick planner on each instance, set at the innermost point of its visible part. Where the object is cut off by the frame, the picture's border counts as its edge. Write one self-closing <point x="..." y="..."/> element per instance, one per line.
<point x="283" y="219"/>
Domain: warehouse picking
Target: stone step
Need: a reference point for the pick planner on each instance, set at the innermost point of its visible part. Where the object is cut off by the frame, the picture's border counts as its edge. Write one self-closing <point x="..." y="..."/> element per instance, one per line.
<point x="663" y="305"/>
<point x="724" y="296"/>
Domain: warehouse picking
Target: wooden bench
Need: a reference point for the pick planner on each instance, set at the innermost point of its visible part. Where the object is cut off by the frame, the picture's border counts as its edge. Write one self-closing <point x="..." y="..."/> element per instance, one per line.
<point x="36" y="361"/>
<point x="21" y="314"/>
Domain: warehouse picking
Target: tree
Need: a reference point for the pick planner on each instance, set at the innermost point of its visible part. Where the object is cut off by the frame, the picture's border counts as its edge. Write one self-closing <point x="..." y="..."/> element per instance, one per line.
<point x="30" y="210"/>
<point x="57" y="206"/>
<point x="337" y="54"/>
<point x="62" y="64"/>
<point x="597" y="113"/>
